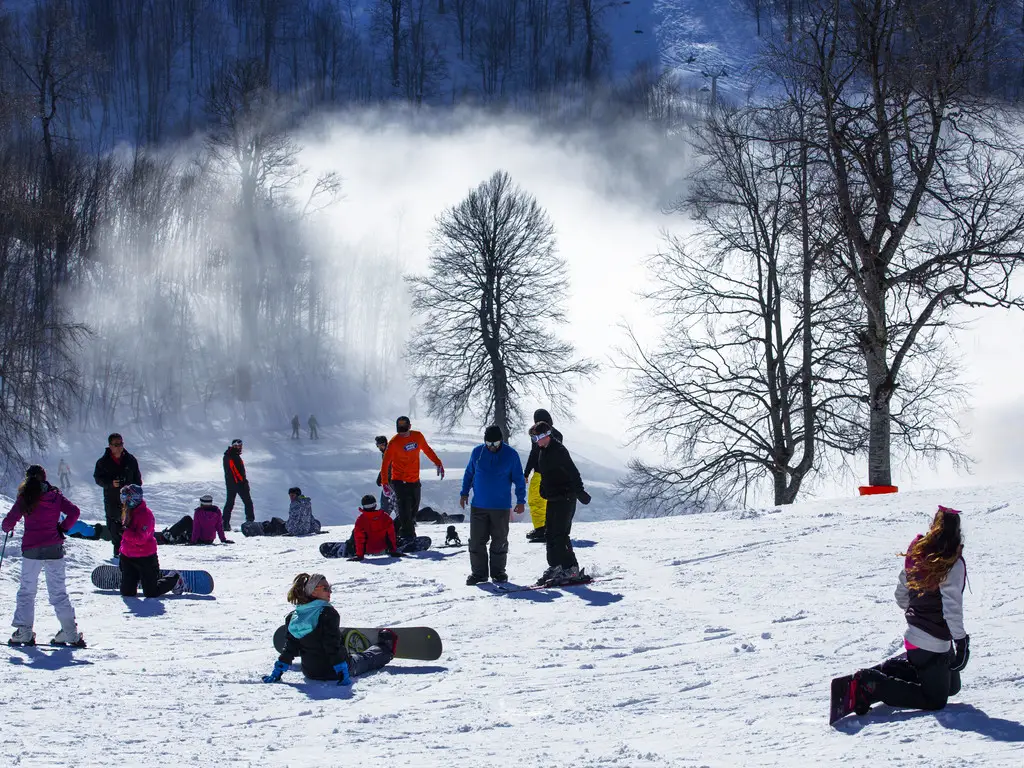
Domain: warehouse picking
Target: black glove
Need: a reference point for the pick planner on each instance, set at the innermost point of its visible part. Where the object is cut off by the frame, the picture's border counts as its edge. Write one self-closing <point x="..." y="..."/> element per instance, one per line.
<point x="354" y="558"/>
<point x="584" y="497"/>
<point x="227" y="541"/>
<point x="963" y="653"/>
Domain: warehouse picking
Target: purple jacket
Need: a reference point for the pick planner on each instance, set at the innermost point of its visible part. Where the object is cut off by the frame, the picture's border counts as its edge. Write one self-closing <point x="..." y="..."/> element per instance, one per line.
<point x="207" y="522"/>
<point x="42" y="522"/>
<point x="138" y="539"/>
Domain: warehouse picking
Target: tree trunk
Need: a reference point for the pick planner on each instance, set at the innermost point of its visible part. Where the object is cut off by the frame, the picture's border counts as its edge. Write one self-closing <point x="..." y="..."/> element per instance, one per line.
<point x="880" y="388"/>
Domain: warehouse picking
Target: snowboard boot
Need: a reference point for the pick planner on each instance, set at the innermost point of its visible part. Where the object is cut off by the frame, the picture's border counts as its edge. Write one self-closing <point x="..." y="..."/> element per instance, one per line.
<point x="499" y="578"/>
<point x="537" y="536"/>
<point x="22" y="636"/>
<point x="472" y="580"/>
<point x="74" y="638"/>
<point x="388" y="640"/>
<point x="566" y="576"/>
<point x="179" y="586"/>
<point x="551" y="575"/>
<point x="865" y="685"/>
<point x="451" y="538"/>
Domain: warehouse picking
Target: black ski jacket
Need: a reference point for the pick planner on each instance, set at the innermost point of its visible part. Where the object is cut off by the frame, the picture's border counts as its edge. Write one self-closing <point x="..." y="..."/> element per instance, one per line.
<point x="107" y="471"/>
<point x="321" y="650"/>
<point x="234" y="470"/>
<point x="531" y="462"/>
<point x="559" y="478"/>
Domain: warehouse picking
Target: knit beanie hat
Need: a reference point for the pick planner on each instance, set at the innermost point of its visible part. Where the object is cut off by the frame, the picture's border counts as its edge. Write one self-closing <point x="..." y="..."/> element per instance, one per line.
<point x="542" y="415"/>
<point x="368" y="503"/>
<point x="131" y="496"/>
<point x="206" y="500"/>
<point x="493" y="434"/>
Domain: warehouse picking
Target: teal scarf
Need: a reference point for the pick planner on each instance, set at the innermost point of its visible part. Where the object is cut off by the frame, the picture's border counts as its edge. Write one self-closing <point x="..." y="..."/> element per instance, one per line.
<point x="305" y="617"/>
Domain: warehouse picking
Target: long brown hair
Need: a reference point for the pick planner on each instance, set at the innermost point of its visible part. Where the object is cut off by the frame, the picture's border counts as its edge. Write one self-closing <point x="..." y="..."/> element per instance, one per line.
<point x="934" y="554"/>
<point x="32" y="488"/>
<point x="298" y="595"/>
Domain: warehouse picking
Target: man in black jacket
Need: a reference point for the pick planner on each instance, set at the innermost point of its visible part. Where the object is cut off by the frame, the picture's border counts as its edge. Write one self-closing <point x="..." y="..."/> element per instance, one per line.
<point x="115" y="469"/>
<point x="560" y="485"/>
<point x="236" y="482"/>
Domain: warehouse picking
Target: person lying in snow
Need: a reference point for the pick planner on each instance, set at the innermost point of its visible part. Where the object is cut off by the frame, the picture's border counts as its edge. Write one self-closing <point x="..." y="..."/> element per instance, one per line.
<point x="931" y="593"/>
<point x="314" y="634"/>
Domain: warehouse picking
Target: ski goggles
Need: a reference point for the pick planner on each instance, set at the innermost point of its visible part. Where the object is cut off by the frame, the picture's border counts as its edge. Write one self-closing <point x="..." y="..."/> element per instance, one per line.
<point x="236" y="442"/>
<point x="492" y="443"/>
<point x="538" y="438"/>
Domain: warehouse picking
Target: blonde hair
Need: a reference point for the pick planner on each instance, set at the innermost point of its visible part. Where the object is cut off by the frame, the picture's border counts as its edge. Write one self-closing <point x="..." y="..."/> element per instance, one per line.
<point x="934" y="554"/>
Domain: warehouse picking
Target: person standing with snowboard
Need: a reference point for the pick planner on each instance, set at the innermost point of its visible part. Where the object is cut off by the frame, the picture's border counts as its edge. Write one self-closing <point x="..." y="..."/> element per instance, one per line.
<point x="115" y="469"/>
<point x="237" y="483"/>
<point x="139" y="561"/>
<point x="314" y="634"/>
<point x="42" y="549"/>
<point x="560" y="486"/>
<point x="387" y="497"/>
<point x="494" y="468"/>
<point x="536" y="502"/>
<point x="930" y="591"/>
<point x="401" y="463"/>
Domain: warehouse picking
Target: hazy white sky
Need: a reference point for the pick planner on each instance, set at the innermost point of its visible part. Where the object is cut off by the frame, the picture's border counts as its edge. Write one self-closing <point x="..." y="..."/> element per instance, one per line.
<point x="604" y="194"/>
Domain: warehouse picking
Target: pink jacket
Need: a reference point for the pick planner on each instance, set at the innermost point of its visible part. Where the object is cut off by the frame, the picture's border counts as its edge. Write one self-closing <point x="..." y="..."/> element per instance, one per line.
<point x="207" y="522"/>
<point x="41" y="524"/>
<point x="138" y="539"/>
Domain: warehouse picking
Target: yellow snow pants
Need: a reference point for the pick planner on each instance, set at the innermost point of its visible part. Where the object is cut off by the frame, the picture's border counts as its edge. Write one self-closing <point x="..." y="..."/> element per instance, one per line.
<point x="538" y="506"/>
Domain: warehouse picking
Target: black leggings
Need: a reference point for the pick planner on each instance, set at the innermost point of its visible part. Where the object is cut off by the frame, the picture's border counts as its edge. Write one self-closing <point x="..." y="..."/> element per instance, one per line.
<point x="921" y="681"/>
<point x="558" y="526"/>
<point x="407" y="502"/>
<point x="147" y="570"/>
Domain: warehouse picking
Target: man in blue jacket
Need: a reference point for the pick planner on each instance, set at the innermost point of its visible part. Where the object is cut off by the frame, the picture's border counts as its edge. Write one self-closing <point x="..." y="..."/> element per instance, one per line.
<point x="493" y="469"/>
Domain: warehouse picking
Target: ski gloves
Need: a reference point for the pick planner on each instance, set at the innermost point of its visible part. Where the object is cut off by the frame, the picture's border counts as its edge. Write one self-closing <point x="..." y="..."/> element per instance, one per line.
<point x="583" y="497"/>
<point x="279" y="669"/>
<point x="343" y="676"/>
<point x="440" y="471"/>
<point x="963" y="653"/>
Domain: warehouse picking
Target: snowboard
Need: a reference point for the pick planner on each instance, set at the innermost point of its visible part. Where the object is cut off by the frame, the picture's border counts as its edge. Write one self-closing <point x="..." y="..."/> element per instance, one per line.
<point x="422" y="643"/>
<point x="337" y="549"/>
<point x="109" y="577"/>
<point x="505" y="588"/>
<point x="842" y="700"/>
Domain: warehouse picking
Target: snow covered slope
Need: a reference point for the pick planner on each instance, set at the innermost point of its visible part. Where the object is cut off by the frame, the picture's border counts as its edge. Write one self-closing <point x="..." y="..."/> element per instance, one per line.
<point x="710" y="642"/>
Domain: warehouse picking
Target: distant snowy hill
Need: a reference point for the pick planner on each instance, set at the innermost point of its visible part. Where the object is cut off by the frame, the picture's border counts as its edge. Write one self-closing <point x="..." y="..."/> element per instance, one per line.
<point x="709" y="641"/>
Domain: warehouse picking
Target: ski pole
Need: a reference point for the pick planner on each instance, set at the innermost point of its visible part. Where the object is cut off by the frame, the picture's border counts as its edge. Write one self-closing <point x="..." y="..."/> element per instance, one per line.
<point x="4" y="550"/>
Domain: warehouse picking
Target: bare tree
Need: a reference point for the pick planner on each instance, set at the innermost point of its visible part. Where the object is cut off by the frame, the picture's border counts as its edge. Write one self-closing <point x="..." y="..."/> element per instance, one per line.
<point x="927" y="177"/>
<point x="494" y="288"/>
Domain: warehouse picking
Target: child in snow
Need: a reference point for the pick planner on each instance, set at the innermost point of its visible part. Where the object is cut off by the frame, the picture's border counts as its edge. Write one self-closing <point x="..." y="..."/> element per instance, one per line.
<point x="314" y="633"/>
<point x="42" y="549"/>
<point x="208" y="522"/>
<point x="931" y="593"/>
<point x="138" y="550"/>
<point x="300" y="514"/>
<point x="374" y="533"/>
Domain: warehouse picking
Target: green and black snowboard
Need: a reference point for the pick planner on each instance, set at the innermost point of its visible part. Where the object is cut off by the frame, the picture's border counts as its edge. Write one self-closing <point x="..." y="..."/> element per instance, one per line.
<point x="422" y="643"/>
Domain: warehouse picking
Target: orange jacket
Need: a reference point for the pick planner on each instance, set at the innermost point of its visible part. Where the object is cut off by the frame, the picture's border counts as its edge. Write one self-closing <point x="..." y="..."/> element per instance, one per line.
<point x="402" y="457"/>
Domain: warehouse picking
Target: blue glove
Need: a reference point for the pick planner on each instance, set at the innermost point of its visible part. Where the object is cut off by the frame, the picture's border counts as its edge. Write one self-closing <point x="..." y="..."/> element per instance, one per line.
<point x="343" y="676"/>
<point x="279" y="669"/>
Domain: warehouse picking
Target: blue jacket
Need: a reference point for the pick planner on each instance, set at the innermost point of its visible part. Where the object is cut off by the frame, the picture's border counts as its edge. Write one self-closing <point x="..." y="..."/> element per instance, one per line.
<point x="491" y="474"/>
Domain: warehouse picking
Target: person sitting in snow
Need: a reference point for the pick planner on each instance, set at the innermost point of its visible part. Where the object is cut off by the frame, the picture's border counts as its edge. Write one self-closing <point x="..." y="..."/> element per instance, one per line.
<point x="314" y="634"/>
<point x="931" y="593"/>
<point x="208" y="522"/>
<point x="300" y="514"/>
<point x="374" y="533"/>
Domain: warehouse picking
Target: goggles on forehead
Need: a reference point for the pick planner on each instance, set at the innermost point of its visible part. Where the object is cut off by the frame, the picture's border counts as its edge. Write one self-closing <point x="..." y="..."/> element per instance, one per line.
<point x="538" y="438"/>
<point x="236" y="442"/>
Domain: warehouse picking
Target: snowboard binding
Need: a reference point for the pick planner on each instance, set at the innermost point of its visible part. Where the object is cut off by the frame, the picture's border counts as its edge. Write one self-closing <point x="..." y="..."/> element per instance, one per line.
<point x="451" y="538"/>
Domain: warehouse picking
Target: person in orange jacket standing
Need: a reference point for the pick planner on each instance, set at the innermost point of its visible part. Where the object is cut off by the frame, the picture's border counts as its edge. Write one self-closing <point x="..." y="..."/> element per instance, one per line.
<point x="401" y="463"/>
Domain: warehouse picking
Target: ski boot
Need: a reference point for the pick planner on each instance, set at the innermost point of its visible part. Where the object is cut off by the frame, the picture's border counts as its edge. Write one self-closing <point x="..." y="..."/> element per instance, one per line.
<point x="22" y="636"/>
<point x="73" y="639"/>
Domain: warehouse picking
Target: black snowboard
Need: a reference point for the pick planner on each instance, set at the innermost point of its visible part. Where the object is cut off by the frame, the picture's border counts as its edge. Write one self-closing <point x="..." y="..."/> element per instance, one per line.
<point x="421" y="643"/>
<point x="109" y="577"/>
<point x="336" y="549"/>
<point x="842" y="702"/>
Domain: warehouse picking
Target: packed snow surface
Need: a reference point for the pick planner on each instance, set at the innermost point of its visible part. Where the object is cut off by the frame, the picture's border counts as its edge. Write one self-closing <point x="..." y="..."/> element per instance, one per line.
<point x="708" y="640"/>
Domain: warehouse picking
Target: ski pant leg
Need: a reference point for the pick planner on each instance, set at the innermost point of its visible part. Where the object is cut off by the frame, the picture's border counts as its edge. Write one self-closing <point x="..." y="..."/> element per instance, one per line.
<point x="56" y="586"/>
<point x="25" y="610"/>
<point x="538" y="506"/>
<point x="479" y="534"/>
<point x="900" y="668"/>
<point x="229" y="505"/>
<point x="407" y="500"/>
<point x="372" y="658"/>
<point x="153" y="584"/>
<point x="130" y="573"/>
<point x="930" y="691"/>
<point x="115" y="526"/>
<point x="558" y="526"/>
<point x="244" y="492"/>
<point x="182" y="530"/>
<point x="499" y="540"/>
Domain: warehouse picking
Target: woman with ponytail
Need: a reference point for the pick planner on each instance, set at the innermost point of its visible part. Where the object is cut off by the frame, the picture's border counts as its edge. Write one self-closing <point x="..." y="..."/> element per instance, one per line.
<point x="42" y="549"/>
<point x="139" y="561"/>
<point x="930" y="592"/>
<point x="314" y="633"/>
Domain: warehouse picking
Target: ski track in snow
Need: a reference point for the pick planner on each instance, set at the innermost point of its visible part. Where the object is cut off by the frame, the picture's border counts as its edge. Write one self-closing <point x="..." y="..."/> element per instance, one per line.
<point x="711" y="643"/>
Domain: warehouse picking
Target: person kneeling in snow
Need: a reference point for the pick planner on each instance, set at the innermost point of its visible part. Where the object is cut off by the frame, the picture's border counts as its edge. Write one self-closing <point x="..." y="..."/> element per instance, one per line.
<point x="314" y="633"/>
<point x="300" y="514"/>
<point x="139" y="561"/>
<point x="931" y="593"/>
<point x="374" y="533"/>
